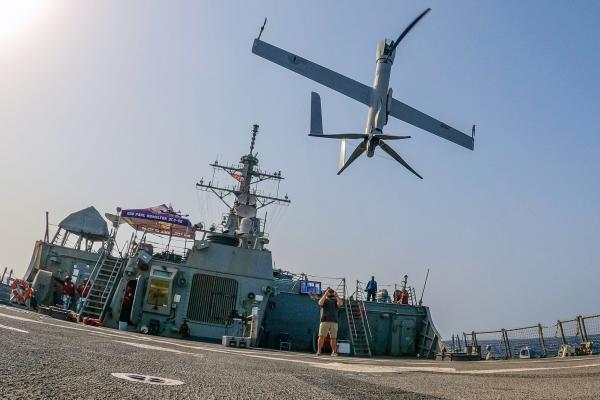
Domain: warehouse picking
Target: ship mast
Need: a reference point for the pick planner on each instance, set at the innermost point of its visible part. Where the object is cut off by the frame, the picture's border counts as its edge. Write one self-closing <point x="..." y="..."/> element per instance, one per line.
<point x="242" y="220"/>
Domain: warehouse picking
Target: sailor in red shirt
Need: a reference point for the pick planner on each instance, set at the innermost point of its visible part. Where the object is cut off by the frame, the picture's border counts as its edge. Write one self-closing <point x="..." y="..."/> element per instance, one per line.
<point x="127" y="303"/>
<point x="68" y="292"/>
<point x="83" y="289"/>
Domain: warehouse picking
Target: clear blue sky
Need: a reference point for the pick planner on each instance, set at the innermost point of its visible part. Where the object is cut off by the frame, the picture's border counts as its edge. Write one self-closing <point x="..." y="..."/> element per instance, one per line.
<point x="124" y="104"/>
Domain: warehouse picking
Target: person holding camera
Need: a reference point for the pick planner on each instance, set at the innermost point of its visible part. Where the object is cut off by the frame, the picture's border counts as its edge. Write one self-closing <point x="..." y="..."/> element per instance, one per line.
<point x="330" y="303"/>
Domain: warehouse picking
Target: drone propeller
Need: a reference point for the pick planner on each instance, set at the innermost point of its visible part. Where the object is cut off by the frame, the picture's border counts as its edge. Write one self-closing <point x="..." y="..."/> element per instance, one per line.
<point x="408" y="28"/>
<point x="357" y="136"/>
<point x="355" y="154"/>
<point x="392" y="137"/>
<point x="397" y="157"/>
<point x="340" y="135"/>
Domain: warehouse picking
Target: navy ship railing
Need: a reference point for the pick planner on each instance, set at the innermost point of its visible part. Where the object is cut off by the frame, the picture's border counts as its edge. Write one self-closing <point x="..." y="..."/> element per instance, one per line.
<point x="576" y="336"/>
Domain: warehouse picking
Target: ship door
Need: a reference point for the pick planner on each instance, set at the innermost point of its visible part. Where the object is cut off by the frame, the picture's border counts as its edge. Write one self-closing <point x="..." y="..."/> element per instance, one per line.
<point x="127" y="302"/>
<point x="408" y="337"/>
<point x="138" y="299"/>
<point x="395" y="335"/>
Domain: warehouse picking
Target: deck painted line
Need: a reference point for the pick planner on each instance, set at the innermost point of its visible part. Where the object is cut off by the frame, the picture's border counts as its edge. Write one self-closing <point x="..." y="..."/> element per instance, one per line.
<point x="156" y="348"/>
<point x="535" y="361"/>
<point x="509" y="370"/>
<point x="374" y="369"/>
<point x="10" y="328"/>
<point x="381" y="369"/>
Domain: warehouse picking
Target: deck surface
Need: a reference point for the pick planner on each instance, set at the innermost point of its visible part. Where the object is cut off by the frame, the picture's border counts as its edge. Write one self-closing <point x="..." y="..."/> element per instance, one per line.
<point x="43" y="358"/>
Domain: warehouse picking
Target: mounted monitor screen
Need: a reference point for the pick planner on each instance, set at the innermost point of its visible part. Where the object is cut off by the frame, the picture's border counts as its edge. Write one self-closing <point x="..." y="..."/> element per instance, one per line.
<point x="310" y="287"/>
<point x="159" y="293"/>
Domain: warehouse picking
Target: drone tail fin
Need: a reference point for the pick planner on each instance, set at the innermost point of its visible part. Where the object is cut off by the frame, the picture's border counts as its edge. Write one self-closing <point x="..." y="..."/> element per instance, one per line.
<point x="316" y="119"/>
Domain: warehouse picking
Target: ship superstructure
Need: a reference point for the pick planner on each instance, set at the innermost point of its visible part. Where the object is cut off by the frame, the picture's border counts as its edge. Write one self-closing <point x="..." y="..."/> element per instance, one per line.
<point x="178" y="279"/>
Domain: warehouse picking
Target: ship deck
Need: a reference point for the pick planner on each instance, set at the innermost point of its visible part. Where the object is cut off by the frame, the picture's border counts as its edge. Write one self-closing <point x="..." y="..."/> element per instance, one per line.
<point x="44" y="358"/>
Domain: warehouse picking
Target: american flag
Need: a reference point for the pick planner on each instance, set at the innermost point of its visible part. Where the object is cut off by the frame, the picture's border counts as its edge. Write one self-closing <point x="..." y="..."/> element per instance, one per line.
<point x="237" y="175"/>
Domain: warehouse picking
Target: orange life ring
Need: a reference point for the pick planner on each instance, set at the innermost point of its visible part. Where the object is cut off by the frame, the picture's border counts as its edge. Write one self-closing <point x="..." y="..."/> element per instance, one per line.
<point x="25" y="295"/>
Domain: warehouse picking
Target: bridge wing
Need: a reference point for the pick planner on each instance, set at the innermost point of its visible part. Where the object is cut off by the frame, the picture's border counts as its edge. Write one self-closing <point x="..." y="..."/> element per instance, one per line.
<point x="415" y="117"/>
<point x="317" y="73"/>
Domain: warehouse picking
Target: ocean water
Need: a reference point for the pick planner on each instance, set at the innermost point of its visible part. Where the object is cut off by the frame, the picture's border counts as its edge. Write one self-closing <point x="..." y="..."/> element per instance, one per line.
<point x="553" y="344"/>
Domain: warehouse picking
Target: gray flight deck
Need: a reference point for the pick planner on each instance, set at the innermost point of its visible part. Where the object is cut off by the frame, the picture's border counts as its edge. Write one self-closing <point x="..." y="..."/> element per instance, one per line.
<point x="44" y="358"/>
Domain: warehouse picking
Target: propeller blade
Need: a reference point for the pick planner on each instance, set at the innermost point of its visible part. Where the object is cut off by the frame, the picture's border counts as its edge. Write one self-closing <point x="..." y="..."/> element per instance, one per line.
<point x="392" y="137"/>
<point x="340" y="135"/>
<point x="408" y="28"/>
<point x="355" y="154"/>
<point x="397" y="157"/>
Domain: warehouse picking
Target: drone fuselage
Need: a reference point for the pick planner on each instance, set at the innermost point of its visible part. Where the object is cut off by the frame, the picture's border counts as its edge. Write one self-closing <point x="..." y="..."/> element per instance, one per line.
<point x="372" y="143"/>
<point x="381" y="95"/>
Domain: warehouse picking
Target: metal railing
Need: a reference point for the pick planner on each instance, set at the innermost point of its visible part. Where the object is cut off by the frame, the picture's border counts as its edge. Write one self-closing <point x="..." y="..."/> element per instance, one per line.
<point x="6" y="279"/>
<point x="365" y="315"/>
<point x="581" y="334"/>
<point x="359" y="293"/>
<point x="336" y="283"/>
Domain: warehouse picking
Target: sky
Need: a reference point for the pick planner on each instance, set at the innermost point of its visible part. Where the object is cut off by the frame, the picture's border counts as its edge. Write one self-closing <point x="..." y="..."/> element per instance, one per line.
<point x="125" y="103"/>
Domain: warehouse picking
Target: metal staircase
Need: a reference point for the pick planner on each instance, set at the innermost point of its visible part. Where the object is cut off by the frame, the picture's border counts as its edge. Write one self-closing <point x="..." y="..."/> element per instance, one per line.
<point x="358" y="325"/>
<point x="105" y="276"/>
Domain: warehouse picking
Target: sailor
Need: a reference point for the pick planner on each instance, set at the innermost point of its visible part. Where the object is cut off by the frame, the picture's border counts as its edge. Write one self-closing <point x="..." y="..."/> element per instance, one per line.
<point x="397" y="296"/>
<point x="371" y="289"/>
<point x="83" y="289"/>
<point x="489" y="355"/>
<point x="68" y="292"/>
<point x="127" y="304"/>
<point x="404" y="296"/>
<point x="184" y="329"/>
<point x="31" y="302"/>
<point x="330" y="303"/>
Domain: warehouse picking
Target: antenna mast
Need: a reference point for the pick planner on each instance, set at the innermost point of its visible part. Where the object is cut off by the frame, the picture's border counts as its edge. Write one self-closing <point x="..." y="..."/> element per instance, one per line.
<point x="246" y="197"/>
<point x="262" y="28"/>
<point x="424" y="284"/>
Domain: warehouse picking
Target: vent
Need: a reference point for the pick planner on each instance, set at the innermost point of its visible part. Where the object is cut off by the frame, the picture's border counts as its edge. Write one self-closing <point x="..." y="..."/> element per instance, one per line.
<point x="212" y="299"/>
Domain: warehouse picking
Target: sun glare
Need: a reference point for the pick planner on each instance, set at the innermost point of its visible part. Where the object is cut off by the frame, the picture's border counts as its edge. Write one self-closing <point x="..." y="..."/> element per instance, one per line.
<point x="17" y="16"/>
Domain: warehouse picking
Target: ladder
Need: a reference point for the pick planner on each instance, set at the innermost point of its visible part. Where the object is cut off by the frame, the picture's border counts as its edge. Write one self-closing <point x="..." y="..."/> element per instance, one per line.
<point x="358" y="325"/>
<point x="108" y="271"/>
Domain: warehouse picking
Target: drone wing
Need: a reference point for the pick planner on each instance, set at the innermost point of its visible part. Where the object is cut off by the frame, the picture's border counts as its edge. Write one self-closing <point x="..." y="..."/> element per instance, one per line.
<point x="415" y="117"/>
<point x="322" y="75"/>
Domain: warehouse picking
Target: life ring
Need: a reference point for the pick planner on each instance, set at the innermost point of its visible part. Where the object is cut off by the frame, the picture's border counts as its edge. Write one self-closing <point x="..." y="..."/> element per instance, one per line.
<point x="23" y="296"/>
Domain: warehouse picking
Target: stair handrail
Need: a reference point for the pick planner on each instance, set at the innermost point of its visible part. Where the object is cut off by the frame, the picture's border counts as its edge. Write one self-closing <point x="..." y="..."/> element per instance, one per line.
<point x="94" y="274"/>
<point x="351" y="324"/>
<point x="118" y="267"/>
<point x="360" y="293"/>
<point x="105" y="252"/>
<point x="109" y="281"/>
<point x="350" y="319"/>
<point x="366" y="318"/>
